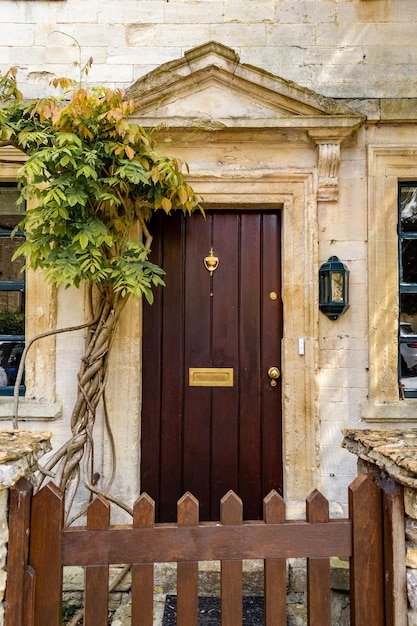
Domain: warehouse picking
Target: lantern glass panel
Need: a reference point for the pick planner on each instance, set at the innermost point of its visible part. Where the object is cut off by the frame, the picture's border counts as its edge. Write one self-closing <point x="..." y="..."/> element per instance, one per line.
<point x="324" y="288"/>
<point x="337" y="287"/>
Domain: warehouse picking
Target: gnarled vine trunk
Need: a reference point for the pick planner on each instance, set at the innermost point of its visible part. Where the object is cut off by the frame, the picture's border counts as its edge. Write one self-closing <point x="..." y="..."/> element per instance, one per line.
<point x="75" y="457"/>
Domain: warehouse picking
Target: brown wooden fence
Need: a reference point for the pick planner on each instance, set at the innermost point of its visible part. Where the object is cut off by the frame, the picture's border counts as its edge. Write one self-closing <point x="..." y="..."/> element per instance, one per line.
<point x="40" y="546"/>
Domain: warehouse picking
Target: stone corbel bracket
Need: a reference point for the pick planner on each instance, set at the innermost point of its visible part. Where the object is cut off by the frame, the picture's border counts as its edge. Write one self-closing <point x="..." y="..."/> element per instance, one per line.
<point x="328" y="166"/>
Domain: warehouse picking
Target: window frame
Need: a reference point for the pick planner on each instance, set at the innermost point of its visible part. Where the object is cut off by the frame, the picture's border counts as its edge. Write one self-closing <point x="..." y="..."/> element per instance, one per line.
<point x="404" y="287"/>
<point x="40" y="402"/>
<point x="387" y="165"/>
<point x="12" y="286"/>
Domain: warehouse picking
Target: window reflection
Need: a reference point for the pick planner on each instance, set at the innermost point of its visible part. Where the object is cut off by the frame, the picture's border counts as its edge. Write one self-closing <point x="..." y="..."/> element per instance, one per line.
<point x="408" y="208"/>
<point x="10" y="357"/>
<point x="409" y="260"/>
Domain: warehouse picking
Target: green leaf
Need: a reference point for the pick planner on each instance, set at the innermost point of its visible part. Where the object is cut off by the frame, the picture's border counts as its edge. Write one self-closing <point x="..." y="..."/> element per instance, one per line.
<point x="83" y="239"/>
<point x="90" y="176"/>
<point x="87" y="171"/>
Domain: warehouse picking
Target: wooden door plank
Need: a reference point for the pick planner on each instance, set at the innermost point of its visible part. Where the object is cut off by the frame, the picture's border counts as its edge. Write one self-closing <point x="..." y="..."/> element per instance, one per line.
<point x="151" y="376"/>
<point x="172" y="370"/>
<point x="47" y="519"/>
<point x="96" y="600"/>
<point x="225" y="335"/>
<point x="394" y="554"/>
<point x="366" y="566"/>
<point x="271" y="353"/>
<point x="275" y="570"/>
<point x="231" y="512"/>
<point x="17" y="553"/>
<point x="187" y="573"/>
<point x="318" y="569"/>
<point x="250" y="426"/>
<point x="197" y="400"/>
<point x="143" y="575"/>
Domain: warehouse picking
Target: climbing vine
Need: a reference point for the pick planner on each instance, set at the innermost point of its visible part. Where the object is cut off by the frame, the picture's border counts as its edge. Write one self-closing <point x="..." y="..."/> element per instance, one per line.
<point x="91" y="181"/>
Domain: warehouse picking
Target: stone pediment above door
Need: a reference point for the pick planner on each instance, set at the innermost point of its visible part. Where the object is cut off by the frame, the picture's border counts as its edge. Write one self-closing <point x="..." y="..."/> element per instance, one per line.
<point x="209" y="88"/>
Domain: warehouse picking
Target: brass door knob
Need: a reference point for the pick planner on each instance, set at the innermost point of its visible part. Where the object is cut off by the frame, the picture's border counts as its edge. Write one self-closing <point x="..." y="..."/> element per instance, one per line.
<point x="273" y="374"/>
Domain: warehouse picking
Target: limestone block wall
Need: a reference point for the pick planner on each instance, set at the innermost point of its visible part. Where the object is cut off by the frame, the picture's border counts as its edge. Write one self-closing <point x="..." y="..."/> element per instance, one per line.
<point x="337" y="47"/>
<point x="343" y="350"/>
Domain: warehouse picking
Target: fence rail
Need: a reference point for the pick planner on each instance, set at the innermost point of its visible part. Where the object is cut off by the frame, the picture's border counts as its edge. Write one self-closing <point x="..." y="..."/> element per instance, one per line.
<point x="38" y="553"/>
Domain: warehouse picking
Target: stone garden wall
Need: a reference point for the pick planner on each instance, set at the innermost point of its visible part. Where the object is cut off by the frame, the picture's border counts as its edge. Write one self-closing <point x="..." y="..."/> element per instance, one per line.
<point x="391" y="457"/>
<point x="19" y="452"/>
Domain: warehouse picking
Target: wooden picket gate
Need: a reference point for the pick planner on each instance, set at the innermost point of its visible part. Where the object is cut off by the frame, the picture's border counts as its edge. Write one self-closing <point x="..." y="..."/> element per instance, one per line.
<point x="40" y="546"/>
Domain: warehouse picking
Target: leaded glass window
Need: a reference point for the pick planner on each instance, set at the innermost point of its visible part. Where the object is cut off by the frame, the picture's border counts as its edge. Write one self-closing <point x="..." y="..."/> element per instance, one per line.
<point x="12" y="291"/>
<point x="407" y="237"/>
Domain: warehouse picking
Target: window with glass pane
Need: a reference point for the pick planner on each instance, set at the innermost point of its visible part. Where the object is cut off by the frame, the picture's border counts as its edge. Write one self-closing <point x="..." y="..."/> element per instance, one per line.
<point x="407" y="237"/>
<point x="12" y="291"/>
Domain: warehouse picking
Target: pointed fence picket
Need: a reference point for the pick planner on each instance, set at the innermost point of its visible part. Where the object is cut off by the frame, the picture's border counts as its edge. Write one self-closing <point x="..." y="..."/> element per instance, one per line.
<point x="142" y="573"/>
<point x="34" y="589"/>
<point x="318" y="569"/>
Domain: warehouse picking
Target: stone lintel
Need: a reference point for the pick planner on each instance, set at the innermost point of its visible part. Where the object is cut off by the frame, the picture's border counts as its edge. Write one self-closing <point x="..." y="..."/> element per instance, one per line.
<point x="393" y="451"/>
<point x="19" y="453"/>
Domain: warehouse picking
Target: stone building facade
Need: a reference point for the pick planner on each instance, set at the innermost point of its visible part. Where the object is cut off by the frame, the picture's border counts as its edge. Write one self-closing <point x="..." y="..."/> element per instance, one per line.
<point x="308" y="106"/>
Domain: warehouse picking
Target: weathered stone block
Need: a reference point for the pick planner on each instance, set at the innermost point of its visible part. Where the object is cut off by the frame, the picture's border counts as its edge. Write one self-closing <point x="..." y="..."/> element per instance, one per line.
<point x="196" y="13"/>
<point x="340" y="608"/>
<point x="410" y="502"/>
<point x="261" y="10"/>
<point x="85" y="12"/>
<point x="175" y="33"/>
<point x="412" y="617"/>
<point x="140" y="34"/>
<point x="19" y="35"/>
<point x="339" y="574"/>
<point x="305" y="11"/>
<point x="411" y="555"/>
<point x="297" y="575"/>
<point x="412" y="588"/>
<point x="283" y="35"/>
<point x="131" y="12"/>
<point x="411" y="529"/>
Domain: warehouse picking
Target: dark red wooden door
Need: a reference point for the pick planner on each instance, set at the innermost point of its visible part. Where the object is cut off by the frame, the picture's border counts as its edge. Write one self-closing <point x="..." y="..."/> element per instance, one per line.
<point x="208" y="439"/>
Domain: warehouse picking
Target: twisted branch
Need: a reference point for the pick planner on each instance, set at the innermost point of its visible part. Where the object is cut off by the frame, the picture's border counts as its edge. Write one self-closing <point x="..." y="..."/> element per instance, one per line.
<point x="20" y="371"/>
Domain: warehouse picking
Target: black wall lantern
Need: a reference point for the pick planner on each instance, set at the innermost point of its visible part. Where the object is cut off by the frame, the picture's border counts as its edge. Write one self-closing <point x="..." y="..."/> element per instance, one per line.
<point x="333" y="288"/>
